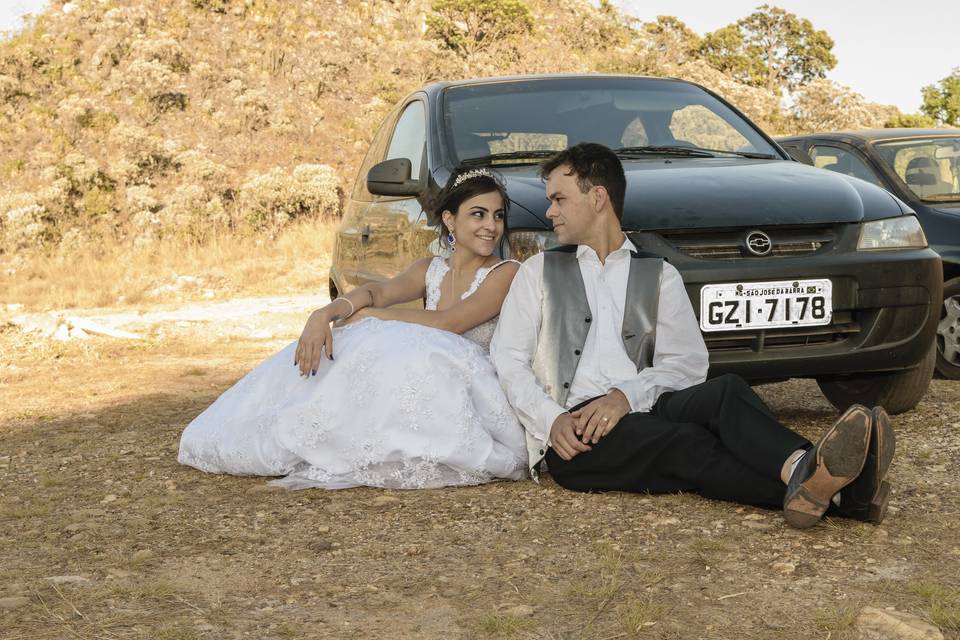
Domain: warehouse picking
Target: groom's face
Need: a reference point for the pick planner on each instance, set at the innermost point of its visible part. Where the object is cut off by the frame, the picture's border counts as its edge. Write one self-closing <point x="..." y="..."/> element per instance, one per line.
<point x="571" y="211"/>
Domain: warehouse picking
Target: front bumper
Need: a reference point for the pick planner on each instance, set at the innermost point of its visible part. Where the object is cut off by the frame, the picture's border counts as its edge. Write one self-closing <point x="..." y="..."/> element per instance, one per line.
<point x="885" y="310"/>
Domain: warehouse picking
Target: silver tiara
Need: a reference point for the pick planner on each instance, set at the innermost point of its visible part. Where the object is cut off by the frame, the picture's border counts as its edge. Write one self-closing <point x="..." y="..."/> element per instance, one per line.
<point x="473" y="173"/>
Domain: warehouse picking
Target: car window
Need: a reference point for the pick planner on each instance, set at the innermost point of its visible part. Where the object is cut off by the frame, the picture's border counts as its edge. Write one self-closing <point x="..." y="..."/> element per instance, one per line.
<point x="410" y="137"/>
<point x="797" y="153"/>
<point x="548" y="114"/>
<point x="635" y="135"/>
<point x="929" y="167"/>
<point x="698" y="126"/>
<point x="842" y="161"/>
<point x="374" y="155"/>
<point x="516" y="141"/>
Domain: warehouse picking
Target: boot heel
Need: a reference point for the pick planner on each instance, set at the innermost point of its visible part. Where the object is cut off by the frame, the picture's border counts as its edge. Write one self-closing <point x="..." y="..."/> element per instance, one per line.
<point x="878" y="505"/>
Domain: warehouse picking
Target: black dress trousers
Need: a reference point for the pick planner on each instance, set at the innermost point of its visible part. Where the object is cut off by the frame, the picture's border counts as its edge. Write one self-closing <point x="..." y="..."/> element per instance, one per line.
<point x="717" y="439"/>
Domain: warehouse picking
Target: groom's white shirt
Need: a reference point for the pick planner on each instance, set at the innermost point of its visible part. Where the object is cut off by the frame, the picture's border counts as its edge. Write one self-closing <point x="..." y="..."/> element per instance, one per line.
<point x="680" y="357"/>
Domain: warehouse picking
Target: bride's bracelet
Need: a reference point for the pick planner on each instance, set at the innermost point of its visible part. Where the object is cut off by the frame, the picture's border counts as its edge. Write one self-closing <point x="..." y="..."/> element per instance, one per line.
<point x="347" y="300"/>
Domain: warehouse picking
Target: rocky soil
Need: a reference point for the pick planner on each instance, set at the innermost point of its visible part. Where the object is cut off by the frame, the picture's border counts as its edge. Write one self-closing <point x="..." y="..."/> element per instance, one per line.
<point x="104" y="535"/>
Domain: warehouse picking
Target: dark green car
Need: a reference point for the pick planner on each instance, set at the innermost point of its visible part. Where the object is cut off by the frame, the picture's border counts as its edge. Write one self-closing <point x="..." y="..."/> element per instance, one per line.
<point x="922" y="168"/>
<point x="792" y="271"/>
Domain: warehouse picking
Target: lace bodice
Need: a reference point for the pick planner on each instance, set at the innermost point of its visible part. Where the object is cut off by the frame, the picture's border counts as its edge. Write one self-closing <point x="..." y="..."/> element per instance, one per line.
<point x="481" y="334"/>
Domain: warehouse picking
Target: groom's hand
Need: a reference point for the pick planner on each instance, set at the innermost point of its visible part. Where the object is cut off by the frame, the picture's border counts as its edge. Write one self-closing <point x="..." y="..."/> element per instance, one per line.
<point x="598" y="418"/>
<point x="564" y="439"/>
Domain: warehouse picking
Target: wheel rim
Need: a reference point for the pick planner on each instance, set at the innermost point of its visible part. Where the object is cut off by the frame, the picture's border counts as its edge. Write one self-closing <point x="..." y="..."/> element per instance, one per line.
<point x="948" y="331"/>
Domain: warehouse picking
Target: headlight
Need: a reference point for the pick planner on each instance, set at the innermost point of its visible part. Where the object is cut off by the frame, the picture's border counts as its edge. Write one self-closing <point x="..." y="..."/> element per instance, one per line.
<point x="523" y="244"/>
<point x="903" y="232"/>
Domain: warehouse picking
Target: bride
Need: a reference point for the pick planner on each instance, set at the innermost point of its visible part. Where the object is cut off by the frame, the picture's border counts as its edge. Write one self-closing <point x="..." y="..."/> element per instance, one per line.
<point x="388" y="397"/>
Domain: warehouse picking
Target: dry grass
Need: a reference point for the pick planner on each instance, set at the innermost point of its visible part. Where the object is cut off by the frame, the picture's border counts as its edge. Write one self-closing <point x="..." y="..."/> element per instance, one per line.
<point x="636" y="617"/>
<point x="943" y="604"/>
<point x="835" y="618"/>
<point x="176" y="553"/>
<point x="504" y="625"/>
<point x="109" y="274"/>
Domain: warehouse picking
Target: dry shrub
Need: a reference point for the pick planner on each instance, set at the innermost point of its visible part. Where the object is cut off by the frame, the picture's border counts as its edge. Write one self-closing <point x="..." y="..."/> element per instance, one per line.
<point x="209" y="103"/>
<point x="273" y="199"/>
<point x="9" y="88"/>
<point x="23" y="221"/>
<point x="109" y="271"/>
<point x="194" y="212"/>
<point x="824" y="105"/>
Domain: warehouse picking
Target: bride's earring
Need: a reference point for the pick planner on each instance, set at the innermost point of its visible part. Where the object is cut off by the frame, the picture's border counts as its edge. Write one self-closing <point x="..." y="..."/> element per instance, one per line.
<point x="451" y="241"/>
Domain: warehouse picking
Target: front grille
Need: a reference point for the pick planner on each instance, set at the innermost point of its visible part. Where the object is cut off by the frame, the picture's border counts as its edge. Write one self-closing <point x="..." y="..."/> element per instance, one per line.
<point x="727" y="244"/>
<point x="842" y="328"/>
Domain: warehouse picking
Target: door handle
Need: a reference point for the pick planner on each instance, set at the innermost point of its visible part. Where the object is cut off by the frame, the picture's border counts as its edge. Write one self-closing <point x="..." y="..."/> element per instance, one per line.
<point x="365" y="234"/>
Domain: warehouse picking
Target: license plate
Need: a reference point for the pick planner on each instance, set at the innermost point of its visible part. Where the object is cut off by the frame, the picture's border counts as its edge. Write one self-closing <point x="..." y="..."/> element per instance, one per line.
<point x="762" y="305"/>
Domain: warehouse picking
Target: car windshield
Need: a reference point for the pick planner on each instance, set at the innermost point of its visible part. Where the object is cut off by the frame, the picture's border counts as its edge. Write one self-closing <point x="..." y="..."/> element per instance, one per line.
<point x="519" y="122"/>
<point x="930" y="167"/>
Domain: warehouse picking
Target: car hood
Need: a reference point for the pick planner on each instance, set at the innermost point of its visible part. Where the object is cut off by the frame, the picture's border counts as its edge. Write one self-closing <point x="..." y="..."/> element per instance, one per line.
<point x="721" y="192"/>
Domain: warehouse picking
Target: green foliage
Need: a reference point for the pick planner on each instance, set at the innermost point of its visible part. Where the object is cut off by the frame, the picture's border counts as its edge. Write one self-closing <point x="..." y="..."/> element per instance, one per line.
<point x="214" y="6"/>
<point x="97" y="203"/>
<point x="171" y="101"/>
<point x="941" y="102"/>
<point x="770" y="48"/>
<point x="467" y="26"/>
<point x="919" y="120"/>
<point x="670" y="36"/>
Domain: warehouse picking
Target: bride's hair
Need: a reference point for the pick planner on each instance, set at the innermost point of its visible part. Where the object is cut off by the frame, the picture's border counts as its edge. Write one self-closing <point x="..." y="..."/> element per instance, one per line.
<point x="466" y="182"/>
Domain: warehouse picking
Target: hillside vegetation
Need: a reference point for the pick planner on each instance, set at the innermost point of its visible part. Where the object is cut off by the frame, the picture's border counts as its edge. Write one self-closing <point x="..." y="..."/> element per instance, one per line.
<point x="135" y="121"/>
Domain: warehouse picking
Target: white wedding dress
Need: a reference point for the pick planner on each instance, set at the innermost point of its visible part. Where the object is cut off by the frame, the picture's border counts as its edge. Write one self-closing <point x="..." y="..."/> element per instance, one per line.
<point x="401" y="406"/>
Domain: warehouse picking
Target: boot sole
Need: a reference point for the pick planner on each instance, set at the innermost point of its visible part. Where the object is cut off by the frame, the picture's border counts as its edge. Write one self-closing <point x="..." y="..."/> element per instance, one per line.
<point x="878" y="505"/>
<point x="886" y="446"/>
<point x="841" y="454"/>
<point x="885" y="439"/>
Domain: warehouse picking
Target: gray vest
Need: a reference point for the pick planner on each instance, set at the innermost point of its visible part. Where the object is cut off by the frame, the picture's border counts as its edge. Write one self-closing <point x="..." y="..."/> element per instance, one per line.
<point x="566" y="320"/>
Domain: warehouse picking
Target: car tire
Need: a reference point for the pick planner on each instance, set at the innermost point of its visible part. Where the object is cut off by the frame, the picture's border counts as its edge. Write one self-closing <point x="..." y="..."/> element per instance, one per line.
<point x="948" y="332"/>
<point x="895" y="392"/>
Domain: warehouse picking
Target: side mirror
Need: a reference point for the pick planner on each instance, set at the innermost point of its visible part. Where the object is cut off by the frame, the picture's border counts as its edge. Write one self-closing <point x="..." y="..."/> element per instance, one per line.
<point x="392" y="178"/>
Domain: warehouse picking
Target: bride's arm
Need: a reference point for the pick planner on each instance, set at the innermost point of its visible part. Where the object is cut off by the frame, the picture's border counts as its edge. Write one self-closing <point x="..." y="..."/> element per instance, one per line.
<point x="317" y="337"/>
<point x="483" y="305"/>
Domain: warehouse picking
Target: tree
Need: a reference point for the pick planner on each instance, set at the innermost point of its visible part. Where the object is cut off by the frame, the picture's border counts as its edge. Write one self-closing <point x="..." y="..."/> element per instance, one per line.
<point x="910" y="120"/>
<point x="667" y="40"/>
<point x="824" y="105"/>
<point x="770" y="48"/>
<point x="468" y="26"/>
<point x="942" y="101"/>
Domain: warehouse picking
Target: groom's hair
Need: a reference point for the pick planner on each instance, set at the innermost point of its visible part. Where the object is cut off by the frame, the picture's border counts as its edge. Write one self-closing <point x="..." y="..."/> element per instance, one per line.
<point x="594" y="165"/>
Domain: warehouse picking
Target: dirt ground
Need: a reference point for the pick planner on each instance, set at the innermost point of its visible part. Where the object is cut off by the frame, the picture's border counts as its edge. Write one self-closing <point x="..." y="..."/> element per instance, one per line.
<point x="104" y="535"/>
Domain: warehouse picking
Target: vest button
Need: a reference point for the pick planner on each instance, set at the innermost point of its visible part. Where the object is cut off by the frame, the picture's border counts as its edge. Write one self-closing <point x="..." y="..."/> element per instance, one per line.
<point x="541" y="451"/>
<point x="587" y="319"/>
<point x="576" y="352"/>
<point x="566" y="385"/>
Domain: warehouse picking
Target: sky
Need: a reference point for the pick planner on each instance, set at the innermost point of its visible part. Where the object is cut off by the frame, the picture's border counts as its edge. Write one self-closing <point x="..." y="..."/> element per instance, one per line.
<point x="886" y="51"/>
<point x="12" y="10"/>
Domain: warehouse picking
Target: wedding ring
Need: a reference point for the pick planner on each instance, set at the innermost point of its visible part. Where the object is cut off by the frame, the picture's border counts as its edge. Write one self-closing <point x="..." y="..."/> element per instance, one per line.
<point x="604" y="419"/>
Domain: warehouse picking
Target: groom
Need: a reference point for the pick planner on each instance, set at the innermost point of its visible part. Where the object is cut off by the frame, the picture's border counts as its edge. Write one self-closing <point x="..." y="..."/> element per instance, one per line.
<point x="601" y="356"/>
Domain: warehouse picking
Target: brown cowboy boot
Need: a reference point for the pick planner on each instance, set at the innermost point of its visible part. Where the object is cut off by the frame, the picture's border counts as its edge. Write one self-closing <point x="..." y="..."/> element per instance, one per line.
<point x="833" y="463"/>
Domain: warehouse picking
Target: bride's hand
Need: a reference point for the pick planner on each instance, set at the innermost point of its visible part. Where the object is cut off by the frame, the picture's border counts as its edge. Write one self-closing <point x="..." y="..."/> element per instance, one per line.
<point x="315" y="338"/>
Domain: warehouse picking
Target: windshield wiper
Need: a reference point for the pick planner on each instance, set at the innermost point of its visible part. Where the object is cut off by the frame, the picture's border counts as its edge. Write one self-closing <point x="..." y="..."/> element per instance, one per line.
<point x="744" y="154"/>
<point x="692" y="152"/>
<point x="662" y="150"/>
<point x="534" y="154"/>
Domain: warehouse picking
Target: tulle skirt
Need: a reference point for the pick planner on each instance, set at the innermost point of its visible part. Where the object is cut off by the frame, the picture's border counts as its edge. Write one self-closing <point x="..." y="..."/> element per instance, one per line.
<point x="401" y="406"/>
